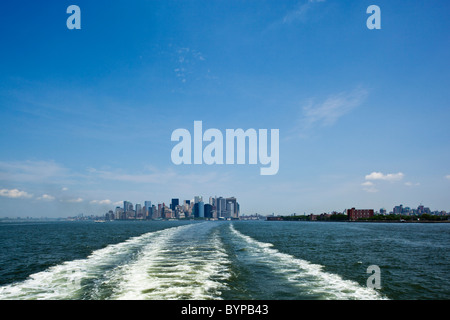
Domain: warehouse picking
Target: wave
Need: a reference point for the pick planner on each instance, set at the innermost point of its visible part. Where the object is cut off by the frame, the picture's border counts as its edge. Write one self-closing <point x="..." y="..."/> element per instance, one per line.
<point x="168" y="269"/>
<point x="156" y="265"/>
<point x="188" y="262"/>
<point x="308" y="277"/>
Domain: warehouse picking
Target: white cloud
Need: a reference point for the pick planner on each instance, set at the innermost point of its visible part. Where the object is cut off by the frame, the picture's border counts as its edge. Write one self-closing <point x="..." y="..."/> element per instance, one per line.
<point x="447" y="177"/>
<point x="369" y="185"/>
<point x="14" y="193"/>
<point x="64" y="189"/>
<point x="46" y="197"/>
<point x="385" y="177"/>
<point x="412" y="184"/>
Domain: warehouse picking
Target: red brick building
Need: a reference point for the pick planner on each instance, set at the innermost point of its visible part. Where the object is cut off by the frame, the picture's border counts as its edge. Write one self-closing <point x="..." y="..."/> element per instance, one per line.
<point x="355" y="214"/>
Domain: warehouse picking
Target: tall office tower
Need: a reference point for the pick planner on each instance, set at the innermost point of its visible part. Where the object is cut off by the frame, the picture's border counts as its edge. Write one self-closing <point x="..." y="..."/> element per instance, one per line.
<point x="195" y="210"/>
<point x="119" y="213"/>
<point x="126" y="206"/>
<point x="197" y="199"/>
<point x="188" y="202"/>
<point x="201" y="209"/>
<point x="208" y="211"/>
<point x="230" y="210"/>
<point x="235" y="211"/>
<point x="147" y="209"/>
<point x="221" y="207"/>
<point x="138" y="210"/>
<point x="174" y="204"/>
<point x="211" y="201"/>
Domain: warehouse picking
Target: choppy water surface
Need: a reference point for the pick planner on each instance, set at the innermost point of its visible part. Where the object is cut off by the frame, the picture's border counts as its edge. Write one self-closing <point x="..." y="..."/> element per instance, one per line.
<point x="229" y="260"/>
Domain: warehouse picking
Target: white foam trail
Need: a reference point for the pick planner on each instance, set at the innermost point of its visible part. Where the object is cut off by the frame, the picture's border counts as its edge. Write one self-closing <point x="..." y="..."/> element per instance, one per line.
<point x="167" y="269"/>
<point x="308" y="276"/>
<point x="67" y="280"/>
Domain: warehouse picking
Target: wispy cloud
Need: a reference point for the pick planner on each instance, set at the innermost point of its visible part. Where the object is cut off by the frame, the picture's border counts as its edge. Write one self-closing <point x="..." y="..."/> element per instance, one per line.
<point x="76" y="200"/>
<point x="369" y="186"/>
<point x="412" y="184"/>
<point x="150" y="177"/>
<point x="447" y="177"/>
<point x="101" y="202"/>
<point x="299" y="13"/>
<point x="186" y="60"/>
<point x="32" y="171"/>
<point x="327" y="112"/>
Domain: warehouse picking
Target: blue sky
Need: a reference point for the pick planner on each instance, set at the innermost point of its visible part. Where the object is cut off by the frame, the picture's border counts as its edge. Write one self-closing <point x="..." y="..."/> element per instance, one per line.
<point x="87" y="115"/>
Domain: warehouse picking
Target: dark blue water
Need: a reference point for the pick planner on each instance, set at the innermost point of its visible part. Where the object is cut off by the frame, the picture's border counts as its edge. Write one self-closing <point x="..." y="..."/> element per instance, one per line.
<point x="223" y="260"/>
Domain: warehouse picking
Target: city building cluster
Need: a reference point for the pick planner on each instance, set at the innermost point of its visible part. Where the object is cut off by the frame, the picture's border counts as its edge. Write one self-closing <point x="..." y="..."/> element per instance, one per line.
<point x="398" y="212"/>
<point x="218" y="208"/>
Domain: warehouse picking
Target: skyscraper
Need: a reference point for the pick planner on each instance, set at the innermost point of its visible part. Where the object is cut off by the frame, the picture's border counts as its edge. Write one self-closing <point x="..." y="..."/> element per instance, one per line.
<point x="208" y="210"/>
<point x="126" y="206"/>
<point x="174" y="203"/>
<point x="230" y="210"/>
<point x="138" y="212"/>
<point x="201" y="209"/>
<point x="221" y="207"/>
<point x="234" y="213"/>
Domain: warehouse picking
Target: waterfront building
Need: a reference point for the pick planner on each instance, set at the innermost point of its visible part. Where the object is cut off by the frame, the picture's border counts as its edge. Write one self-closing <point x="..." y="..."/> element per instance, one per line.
<point x="355" y="214"/>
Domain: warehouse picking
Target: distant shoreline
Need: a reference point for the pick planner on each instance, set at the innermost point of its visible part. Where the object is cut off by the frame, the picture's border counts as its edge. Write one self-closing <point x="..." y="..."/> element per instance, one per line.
<point x="395" y="221"/>
<point x="369" y="221"/>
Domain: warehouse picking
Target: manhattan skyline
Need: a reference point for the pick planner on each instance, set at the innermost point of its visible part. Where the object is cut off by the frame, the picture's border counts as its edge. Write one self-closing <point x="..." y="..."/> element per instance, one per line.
<point x="86" y="115"/>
